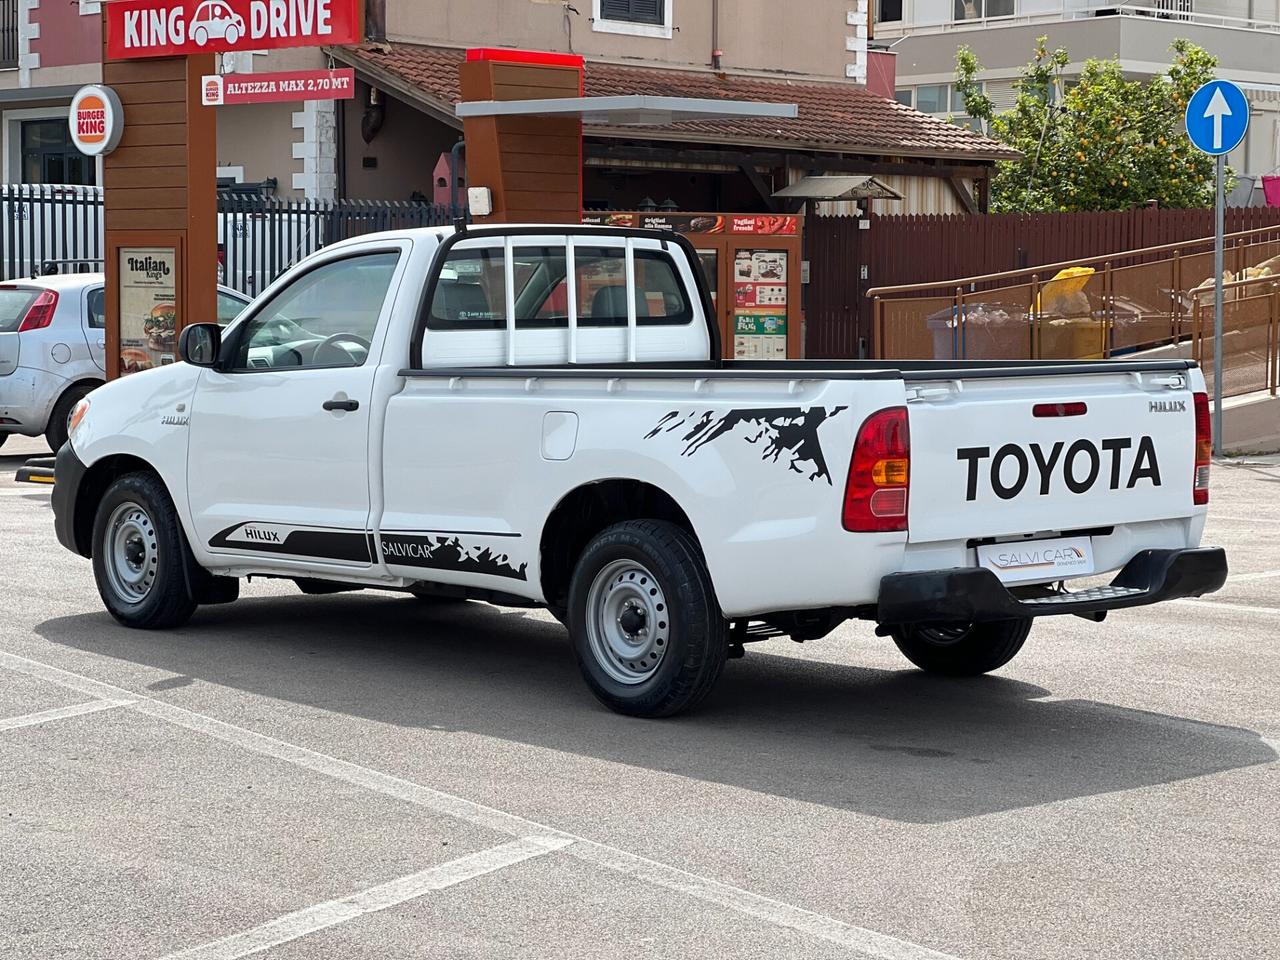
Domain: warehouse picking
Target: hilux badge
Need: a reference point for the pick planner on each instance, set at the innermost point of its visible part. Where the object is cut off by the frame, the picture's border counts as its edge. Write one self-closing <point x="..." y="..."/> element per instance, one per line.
<point x="1167" y="406"/>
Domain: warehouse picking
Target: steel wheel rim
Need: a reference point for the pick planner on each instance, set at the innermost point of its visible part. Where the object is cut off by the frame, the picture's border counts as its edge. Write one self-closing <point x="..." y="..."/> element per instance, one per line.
<point x="628" y="622"/>
<point x="943" y="634"/>
<point x="132" y="554"/>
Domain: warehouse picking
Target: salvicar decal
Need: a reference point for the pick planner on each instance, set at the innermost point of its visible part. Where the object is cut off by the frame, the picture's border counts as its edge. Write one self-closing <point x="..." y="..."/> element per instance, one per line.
<point x="782" y="431"/>
<point x="448" y="553"/>
<point x="172" y="28"/>
<point x="349" y="545"/>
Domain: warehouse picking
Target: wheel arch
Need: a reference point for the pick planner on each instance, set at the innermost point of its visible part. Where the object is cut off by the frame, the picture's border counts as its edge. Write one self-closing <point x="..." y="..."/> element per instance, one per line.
<point x="93" y="485"/>
<point x="588" y="509"/>
<point x="93" y="383"/>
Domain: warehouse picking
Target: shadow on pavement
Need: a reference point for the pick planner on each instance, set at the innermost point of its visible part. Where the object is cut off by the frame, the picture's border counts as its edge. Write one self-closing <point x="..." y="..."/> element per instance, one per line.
<point x="899" y="745"/>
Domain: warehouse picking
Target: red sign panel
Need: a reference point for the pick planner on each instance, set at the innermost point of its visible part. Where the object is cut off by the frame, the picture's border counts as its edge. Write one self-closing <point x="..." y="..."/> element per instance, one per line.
<point x="175" y="28"/>
<point x="236" y="88"/>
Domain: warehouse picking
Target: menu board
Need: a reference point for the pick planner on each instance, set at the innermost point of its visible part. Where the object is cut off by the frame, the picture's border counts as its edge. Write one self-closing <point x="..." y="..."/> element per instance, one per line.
<point x="760" y="305"/>
<point x="148" y="307"/>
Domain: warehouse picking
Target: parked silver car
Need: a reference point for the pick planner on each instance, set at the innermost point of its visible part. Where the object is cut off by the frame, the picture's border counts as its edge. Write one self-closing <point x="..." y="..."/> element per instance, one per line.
<point x="53" y="349"/>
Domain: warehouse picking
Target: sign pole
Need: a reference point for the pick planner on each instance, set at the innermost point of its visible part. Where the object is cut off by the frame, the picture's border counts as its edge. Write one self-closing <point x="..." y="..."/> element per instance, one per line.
<point x="1218" y="216"/>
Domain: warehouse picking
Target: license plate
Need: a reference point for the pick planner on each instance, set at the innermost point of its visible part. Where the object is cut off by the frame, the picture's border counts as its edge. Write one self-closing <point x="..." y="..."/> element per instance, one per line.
<point x="1038" y="559"/>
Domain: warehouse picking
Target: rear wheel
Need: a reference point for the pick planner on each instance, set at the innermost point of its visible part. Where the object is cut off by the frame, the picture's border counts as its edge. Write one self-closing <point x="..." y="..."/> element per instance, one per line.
<point x="60" y="420"/>
<point x="647" y="629"/>
<point x="962" y="649"/>
<point x="139" y="552"/>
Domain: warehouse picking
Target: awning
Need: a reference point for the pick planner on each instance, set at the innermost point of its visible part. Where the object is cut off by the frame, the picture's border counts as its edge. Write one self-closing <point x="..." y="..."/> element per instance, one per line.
<point x="630" y="111"/>
<point x="839" y="188"/>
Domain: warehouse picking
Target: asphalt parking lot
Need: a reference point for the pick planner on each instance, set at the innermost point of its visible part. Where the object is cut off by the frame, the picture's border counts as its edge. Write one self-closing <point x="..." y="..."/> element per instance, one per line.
<point x="361" y="776"/>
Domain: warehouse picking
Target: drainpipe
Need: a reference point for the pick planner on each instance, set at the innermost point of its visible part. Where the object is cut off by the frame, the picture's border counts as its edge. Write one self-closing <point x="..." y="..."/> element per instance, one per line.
<point x="456" y="159"/>
<point x="716" y="52"/>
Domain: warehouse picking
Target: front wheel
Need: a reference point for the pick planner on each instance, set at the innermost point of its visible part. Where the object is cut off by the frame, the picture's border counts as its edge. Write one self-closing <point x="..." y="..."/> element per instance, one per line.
<point x="647" y="629"/>
<point x="964" y="649"/>
<point x="139" y="551"/>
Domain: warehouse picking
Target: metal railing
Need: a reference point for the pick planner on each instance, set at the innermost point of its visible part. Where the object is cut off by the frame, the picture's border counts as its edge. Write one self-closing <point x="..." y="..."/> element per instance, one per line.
<point x="1250" y="336"/>
<point x="1112" y="305"/>
<point x="9" y="34"/>
<point x="53" y="229"/>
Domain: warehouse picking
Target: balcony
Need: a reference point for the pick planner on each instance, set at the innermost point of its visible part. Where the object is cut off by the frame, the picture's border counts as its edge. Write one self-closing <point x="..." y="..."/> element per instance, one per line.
<point x="9" y="34"/>
<point x="962" y="16"/>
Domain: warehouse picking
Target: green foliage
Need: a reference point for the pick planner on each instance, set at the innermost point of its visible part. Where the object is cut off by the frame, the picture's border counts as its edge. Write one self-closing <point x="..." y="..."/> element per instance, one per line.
<point x="1102" y="143"/>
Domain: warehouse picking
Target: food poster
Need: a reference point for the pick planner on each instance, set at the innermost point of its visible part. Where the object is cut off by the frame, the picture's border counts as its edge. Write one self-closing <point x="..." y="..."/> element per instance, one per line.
<point x="148" y="307"/>
<point x="711" y="270"/>
<point x="760" y="305"/>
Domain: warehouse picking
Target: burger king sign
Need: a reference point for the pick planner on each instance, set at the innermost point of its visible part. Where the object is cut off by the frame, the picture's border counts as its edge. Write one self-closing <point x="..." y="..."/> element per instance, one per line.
<point x="96" y="120"/>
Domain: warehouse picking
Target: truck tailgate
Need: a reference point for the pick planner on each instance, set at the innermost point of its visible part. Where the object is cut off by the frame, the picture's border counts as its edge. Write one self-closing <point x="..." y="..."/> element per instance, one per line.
<point x="1004" y="456"/>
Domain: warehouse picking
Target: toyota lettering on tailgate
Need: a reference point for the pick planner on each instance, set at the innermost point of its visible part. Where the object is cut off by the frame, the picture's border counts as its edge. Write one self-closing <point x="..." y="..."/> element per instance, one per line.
<point x="1078" y="467"/>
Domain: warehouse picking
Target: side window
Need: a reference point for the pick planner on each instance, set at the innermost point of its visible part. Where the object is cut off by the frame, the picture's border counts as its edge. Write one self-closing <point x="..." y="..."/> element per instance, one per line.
<point x="98" y="309"/>
<point x="228" y="308"/>
<point x="325" y="318"/>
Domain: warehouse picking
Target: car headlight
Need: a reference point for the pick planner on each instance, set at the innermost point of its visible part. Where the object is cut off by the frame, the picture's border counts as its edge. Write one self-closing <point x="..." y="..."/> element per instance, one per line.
<point x="77" y="415"/>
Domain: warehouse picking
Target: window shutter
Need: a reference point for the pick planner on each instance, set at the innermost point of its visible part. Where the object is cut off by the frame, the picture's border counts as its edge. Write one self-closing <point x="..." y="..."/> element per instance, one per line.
<point x="634" y="11"/>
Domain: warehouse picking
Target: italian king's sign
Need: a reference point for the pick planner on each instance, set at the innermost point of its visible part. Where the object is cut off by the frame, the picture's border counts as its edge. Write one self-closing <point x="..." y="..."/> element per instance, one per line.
<point x="175" y="28"/>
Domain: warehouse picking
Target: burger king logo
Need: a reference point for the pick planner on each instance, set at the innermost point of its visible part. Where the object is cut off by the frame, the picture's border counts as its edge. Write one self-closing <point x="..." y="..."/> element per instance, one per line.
<point x="91" y="120"/>
<point x="96" y="120"/>
<point x="212" y="91"/>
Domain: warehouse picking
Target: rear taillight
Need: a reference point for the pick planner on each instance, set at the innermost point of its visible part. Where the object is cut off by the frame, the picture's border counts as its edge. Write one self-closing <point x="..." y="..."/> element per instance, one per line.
<point x="40" y="313"/>
<point x="875" y="497"/>
<point x="1204" y="450"/>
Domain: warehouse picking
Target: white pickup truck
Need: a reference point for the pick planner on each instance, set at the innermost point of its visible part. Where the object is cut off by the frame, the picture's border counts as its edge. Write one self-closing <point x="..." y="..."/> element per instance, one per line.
<point x="538" y="416"/>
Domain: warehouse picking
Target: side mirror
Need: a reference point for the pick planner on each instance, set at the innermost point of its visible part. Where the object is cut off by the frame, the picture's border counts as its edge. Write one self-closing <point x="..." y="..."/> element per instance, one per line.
<point x="200" y="344"/>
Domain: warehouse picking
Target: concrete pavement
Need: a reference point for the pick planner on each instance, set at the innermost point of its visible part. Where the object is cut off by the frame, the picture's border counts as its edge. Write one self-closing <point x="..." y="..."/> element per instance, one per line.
<point x="364" y="776"/>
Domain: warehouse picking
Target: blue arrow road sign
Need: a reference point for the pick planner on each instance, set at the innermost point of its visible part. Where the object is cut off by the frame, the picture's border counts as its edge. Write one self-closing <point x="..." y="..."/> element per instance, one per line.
<point x="1217" y="117"/>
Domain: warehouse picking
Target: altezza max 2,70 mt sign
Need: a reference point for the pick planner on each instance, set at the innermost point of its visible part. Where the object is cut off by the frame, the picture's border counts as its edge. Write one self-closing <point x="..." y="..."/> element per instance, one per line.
<point x="174" y="28"/>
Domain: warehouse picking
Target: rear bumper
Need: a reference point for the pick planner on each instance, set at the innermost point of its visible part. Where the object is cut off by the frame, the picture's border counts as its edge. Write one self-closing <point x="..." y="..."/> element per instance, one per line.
<point x="976" y="594"/>
<point x="26" y="397"/>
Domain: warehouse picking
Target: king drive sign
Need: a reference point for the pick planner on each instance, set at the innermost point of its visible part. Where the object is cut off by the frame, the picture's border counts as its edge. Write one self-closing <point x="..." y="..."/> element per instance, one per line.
<point x="174" y="28"/>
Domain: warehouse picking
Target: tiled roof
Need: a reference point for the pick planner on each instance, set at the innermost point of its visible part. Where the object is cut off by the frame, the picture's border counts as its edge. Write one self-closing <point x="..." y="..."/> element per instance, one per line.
<point x="834" y="117"/>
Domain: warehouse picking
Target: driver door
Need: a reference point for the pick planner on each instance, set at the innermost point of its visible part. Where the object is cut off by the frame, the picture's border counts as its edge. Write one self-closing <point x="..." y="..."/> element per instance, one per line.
<point x="278" y="468"/>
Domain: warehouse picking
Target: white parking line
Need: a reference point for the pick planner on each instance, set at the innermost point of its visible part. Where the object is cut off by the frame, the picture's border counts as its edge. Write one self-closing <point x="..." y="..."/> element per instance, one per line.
<point x="1246" y="577"/>
<point x="868" y="943"/>
<point x="323" y="915"/>
<point x="60" y="713"/>
<point x="1225" y="605"/>
<point x="26" y="493"/>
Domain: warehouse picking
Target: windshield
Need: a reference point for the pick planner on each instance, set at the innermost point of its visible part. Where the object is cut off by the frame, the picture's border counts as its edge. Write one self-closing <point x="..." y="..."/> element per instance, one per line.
<point x="14" y="304"/>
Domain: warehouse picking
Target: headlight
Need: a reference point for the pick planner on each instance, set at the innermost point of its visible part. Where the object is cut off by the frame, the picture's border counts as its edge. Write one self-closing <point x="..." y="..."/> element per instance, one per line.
<point x="77" y="415"/>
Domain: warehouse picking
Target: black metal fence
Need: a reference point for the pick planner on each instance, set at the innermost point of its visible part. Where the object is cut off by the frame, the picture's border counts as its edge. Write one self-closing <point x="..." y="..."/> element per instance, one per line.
<point x="261" y="238"/>
<point x="47" y="229"/>
<point x="9" y="34"/>
<point x="53" y="229"/>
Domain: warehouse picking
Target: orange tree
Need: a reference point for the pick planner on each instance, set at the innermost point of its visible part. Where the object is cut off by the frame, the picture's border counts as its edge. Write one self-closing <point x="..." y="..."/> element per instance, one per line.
<point x="1099" y="141"/>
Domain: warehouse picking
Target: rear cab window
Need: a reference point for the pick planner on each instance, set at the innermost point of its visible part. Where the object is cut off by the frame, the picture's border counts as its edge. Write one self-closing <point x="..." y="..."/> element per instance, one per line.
<point x="14" y="304"/>
<point x="471" y="291"/>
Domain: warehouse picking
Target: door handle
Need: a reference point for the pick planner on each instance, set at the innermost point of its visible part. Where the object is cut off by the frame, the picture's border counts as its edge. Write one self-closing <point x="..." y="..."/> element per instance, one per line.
<point x="347" y="405"/>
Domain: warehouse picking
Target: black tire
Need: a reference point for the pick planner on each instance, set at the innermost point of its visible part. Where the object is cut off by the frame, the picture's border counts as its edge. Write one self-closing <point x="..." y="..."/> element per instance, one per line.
<point x="962" y="650"/>
<point x="162" y="599"/>
<point x="3" y="438"/>
<point x="688" y="648"/>
<point x="55" y="433"/>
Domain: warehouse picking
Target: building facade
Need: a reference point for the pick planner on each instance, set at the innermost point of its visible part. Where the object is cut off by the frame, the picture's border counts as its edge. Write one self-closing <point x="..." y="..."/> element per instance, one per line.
<point x="388" y="143"/>
<point x="50" y="48"/>
<point x="1243" y="34"/>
